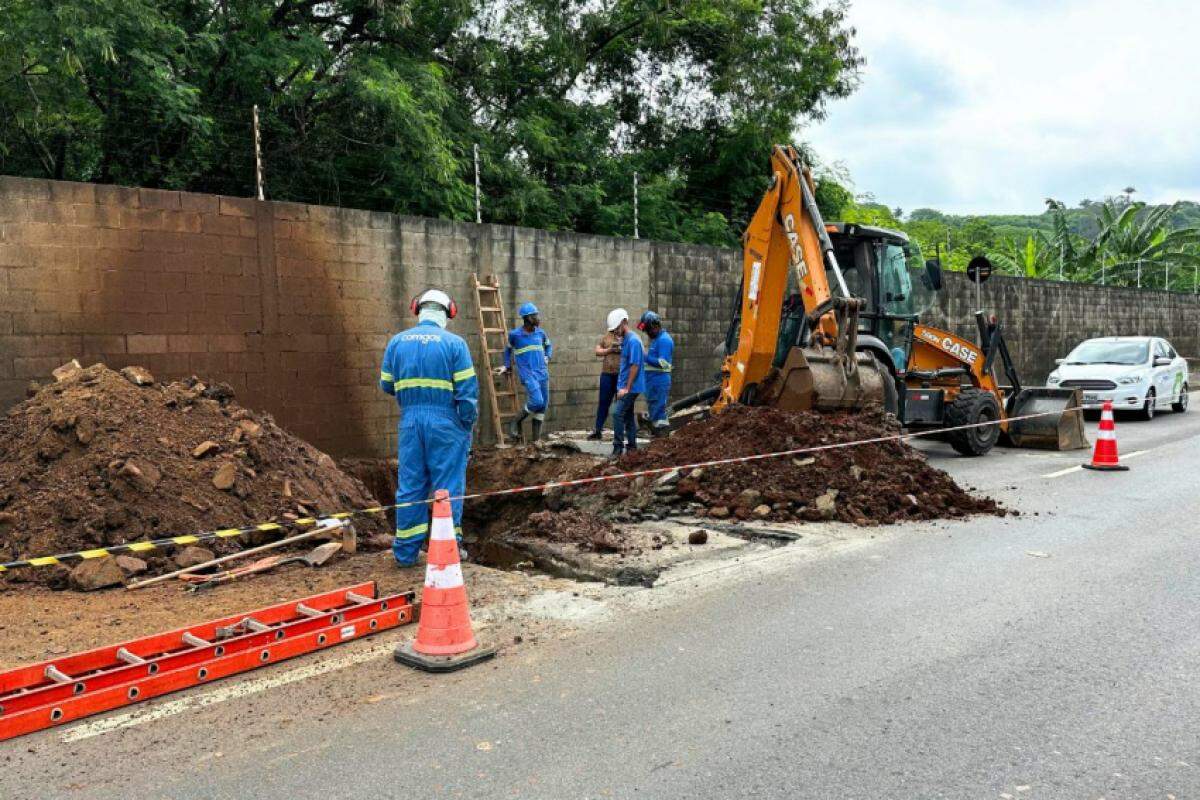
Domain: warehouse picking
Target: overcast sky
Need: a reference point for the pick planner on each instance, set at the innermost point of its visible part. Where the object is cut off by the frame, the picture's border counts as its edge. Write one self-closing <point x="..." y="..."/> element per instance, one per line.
<point x="985" y="106"/>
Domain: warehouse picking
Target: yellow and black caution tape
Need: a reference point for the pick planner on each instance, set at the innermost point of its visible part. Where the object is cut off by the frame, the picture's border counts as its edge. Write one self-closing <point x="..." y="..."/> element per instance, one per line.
<point x="180" y="541"/>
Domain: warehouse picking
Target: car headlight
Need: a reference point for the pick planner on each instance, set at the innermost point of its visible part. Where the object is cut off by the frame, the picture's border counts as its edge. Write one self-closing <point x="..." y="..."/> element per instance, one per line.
<point x="1125" y="380"/>
<point x="1053" y="377"/>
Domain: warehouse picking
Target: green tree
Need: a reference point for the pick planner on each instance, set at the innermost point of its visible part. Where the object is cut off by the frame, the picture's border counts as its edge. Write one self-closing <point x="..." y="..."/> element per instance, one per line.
<point x="378" y="104"/>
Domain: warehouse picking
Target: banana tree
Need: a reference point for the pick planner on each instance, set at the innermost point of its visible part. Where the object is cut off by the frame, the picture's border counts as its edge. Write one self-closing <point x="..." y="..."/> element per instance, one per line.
<point x="1135" y="241"/>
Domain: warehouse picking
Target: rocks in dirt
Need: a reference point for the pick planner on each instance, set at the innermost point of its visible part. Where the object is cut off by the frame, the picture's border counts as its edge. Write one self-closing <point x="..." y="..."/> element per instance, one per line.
<point x="138" y="376"/>
<point x="141" y="475"/>
<point x="761" y="511"/>
<point x="698" y="537"/>
<point x="249" y="428"/>
<point x="826" y="504"/>
<point x="225" y="476"/>
<point x="96" y="573"/>
<point x="207" y="447"/>
<point x="575" y="526"/>
<point x="719" y="512"/>
<point x="67" y="370"/>
<point x="130" y="565"/>
<point x="192" y="555"/>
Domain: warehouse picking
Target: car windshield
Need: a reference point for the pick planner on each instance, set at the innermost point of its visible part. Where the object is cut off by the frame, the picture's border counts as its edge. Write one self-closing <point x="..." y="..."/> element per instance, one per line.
<point x="1102" y="352"/>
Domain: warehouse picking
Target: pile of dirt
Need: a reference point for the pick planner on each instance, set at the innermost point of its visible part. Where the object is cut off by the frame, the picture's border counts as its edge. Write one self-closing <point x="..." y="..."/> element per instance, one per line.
<point x="101" y="458"/>
<point x="870" y="484"/>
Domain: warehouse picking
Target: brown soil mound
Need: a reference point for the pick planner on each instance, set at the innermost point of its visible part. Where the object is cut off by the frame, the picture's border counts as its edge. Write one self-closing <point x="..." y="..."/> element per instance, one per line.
<point x="869" y="484"/>
<point x="96" y="460"/>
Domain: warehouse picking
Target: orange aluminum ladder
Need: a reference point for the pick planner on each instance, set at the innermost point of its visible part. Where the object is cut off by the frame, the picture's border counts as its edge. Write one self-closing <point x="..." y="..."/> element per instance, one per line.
<point x="55" y="692"/>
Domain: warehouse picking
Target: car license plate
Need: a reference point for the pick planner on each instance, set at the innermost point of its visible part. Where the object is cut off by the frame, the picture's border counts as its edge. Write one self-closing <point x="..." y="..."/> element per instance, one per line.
<point x="1091" y="398"/>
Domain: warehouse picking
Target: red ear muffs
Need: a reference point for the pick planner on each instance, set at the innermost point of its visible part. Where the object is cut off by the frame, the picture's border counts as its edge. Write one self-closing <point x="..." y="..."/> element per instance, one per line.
<point x="641" y="326"/>
<point x="413" y="306"/>
<point x="453" y="310"/>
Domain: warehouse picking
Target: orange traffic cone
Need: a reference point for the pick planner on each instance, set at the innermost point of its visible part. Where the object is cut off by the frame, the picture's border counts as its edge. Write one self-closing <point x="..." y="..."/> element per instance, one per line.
<point x="1104" y="456"/>
<point x="445" y="641"/>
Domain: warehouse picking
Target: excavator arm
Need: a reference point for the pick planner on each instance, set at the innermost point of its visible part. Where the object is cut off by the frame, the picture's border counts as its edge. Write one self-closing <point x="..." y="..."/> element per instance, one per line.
<point x="786" y="237"/>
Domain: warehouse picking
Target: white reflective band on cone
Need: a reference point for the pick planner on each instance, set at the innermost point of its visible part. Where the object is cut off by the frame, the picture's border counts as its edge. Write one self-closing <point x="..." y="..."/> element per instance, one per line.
<point x="445" y="578"/>
<point x="1106" y="435"/>
<point x="443" y="529"/>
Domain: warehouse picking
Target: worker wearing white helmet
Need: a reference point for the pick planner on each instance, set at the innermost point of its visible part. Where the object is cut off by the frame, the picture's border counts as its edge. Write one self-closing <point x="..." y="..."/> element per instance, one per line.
<point x="429" y="372"/>
<point x="608" y="349"/>
<point x="630" y="382"/>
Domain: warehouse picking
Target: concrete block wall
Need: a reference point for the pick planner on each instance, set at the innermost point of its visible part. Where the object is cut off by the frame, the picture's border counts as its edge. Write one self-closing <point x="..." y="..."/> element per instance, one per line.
<point x="1043" y="320"/>
<point x="293" y="304"/>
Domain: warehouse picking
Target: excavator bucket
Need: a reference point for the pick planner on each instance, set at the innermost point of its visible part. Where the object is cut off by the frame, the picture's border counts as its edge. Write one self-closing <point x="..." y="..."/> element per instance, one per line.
<point x="809" y="379"/>
<point x="1057" y="426"/>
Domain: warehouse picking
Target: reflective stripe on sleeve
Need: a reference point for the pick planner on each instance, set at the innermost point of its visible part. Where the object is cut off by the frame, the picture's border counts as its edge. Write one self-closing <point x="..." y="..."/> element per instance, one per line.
<point x="527" y="349"/>
<point x="386" y="377"/>
<point x="464" y="374"/>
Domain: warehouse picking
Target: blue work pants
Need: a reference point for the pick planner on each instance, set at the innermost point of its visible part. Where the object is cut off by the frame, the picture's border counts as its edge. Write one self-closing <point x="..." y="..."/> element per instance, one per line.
<point x="608" y="391"/>
<point x="624" y="424"/>
<point x="433" y="452"/>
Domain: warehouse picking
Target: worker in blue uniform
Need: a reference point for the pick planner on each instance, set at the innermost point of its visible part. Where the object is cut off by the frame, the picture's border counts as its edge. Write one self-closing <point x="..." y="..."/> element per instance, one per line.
<point x="658" y="371"/>
<point x="529" y="350"/>
<point x="429" y="371"/>
<point x="631" y="382"/>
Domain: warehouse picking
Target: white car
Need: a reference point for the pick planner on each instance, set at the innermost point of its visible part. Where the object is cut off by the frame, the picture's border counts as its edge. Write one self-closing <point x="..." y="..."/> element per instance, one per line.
<point x="1137" y="373"/>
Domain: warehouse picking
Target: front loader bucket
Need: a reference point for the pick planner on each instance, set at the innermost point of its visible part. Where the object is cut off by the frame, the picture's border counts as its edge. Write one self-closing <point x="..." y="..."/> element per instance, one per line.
<point x="1055" y="427"/>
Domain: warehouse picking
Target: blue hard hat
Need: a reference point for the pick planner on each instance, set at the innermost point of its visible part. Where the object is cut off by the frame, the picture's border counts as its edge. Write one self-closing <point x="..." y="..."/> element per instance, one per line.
<point x="526" y="309"/>
<point x="649" y="318"/>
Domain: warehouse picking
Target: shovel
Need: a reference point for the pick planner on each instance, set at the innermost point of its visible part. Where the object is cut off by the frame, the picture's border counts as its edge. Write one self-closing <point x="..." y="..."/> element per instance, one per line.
<point x="316" y="558"/>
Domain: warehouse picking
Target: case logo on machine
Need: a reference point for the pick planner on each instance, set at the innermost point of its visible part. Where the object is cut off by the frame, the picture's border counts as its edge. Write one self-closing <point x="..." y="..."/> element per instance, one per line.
<point x="956" y="349"/>
<point x="789" y="225"/>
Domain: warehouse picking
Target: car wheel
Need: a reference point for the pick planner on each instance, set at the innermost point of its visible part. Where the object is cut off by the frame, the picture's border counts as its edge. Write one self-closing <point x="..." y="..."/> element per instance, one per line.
<point x="1148" y="408"/>
<point x="1180" y="404"/>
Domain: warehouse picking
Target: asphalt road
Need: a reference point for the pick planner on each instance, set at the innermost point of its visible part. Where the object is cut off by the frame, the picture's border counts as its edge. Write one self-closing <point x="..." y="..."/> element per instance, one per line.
<point x="1051" y="655"/>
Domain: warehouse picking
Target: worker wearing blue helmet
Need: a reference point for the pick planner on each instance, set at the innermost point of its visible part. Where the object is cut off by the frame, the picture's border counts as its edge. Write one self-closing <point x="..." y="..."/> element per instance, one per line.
<point x="529" y="350"/>
<point x="658" y="370"/>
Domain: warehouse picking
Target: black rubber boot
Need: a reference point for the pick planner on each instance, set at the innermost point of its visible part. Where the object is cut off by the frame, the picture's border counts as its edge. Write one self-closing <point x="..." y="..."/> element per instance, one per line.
<point x="594" y="436"/>
<point x="536" y="433"/>
<point x="514" y="427"/>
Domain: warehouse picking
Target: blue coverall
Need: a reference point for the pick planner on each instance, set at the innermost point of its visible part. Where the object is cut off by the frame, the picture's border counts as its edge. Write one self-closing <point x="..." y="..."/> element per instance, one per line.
<point x="624" y="422"/>
<point x="429" y="371"/>
<point x="658" y="375"/>
<point x="531" y="351"/>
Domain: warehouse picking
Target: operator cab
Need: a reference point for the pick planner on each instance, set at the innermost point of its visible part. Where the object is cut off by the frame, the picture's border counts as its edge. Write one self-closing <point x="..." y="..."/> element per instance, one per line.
<point x="885" y="268"/>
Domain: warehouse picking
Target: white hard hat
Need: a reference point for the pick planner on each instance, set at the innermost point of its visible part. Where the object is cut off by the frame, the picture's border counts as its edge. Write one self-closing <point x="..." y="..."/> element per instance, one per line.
<point x="435" y="296"/>
<point x="616" y="317"/>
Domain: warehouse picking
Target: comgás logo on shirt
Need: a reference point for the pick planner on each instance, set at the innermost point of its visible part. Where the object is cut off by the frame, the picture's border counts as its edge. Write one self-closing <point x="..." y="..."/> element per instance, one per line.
<point x="423" y="338"/>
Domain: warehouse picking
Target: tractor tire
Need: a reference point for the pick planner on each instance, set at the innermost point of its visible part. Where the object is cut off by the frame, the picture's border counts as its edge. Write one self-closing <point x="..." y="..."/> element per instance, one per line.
<point x="891" y="395"/>
<point x="970" y="407"/>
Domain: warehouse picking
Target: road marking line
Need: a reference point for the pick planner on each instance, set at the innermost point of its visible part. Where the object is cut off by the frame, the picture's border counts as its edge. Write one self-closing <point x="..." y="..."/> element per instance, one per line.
<point x="1079" y="468"/>
<point x="221" y="693"/>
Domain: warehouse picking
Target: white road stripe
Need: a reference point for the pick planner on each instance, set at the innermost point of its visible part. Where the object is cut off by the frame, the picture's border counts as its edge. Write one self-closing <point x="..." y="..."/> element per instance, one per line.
<point x="230" y="690"/>
<point x="1079" y="468"/>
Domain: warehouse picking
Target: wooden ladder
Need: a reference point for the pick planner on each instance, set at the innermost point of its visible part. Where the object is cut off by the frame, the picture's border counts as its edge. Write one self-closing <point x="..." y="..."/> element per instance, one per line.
<point x="493" y="338"/>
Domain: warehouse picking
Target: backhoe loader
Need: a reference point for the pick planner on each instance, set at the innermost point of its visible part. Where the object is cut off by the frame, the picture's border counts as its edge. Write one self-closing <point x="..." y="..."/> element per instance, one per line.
<point x="798" y="344"/>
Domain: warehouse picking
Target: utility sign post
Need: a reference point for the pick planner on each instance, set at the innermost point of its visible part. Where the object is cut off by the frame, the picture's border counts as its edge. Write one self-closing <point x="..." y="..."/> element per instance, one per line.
<point x="979" y="269"/>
